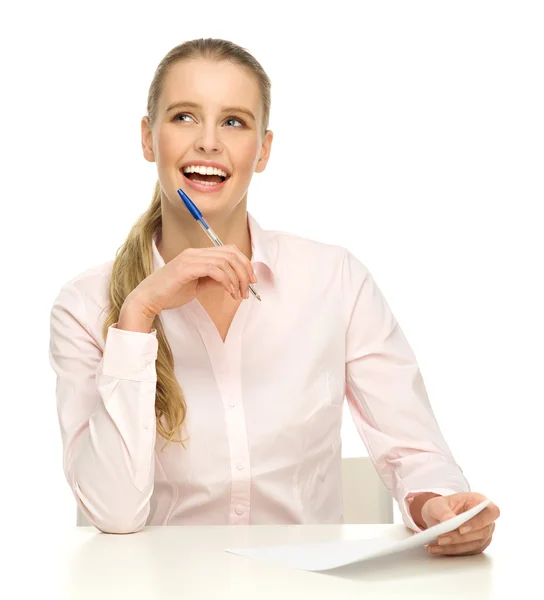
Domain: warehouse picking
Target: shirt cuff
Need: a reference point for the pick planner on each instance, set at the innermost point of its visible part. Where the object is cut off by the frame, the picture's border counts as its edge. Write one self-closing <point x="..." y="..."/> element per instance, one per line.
<point x="130" y="354"/>
<point x="409" y="498"/>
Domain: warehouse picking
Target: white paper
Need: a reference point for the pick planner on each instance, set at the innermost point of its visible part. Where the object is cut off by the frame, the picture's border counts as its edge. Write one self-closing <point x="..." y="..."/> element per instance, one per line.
<point x="329" y="555"/>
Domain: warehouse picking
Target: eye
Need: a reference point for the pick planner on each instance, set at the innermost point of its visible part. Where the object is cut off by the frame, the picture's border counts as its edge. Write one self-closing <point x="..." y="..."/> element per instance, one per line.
<point x="234" y="119"/>
<point x="180" y="115"/>
<point x="175" y="118"/>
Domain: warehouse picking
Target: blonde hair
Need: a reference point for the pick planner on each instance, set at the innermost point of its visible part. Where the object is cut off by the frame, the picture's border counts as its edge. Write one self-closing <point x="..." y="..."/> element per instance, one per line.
<point x="134" y="259"/>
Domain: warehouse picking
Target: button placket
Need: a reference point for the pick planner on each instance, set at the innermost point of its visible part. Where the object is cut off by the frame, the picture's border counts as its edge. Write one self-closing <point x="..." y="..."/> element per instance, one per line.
<point x="230" y="385"/>
<point x="225" y="359"/>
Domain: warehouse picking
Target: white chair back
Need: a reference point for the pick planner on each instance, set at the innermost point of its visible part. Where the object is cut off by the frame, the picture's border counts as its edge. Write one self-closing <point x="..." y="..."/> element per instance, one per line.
<point x="366" y="499"/>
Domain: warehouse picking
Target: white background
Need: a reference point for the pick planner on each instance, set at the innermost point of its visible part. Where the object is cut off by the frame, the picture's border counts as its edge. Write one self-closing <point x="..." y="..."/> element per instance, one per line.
<point x="409" y="132"/>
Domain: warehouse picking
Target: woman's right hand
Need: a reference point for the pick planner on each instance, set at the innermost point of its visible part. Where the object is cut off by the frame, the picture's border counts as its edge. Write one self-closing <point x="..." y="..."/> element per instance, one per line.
<point x="193" y="270"/>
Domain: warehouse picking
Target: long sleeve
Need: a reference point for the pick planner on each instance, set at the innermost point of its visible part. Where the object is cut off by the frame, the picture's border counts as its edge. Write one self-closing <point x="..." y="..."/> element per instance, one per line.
<point x="388" y="400"/>
<point x="106" y="411"/>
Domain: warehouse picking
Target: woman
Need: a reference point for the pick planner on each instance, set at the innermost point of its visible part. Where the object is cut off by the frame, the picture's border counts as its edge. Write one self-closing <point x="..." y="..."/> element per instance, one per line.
<point x="166" y="338"/>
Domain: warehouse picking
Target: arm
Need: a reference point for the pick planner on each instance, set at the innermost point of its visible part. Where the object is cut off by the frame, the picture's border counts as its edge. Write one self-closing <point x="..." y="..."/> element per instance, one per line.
<point x="388" y="400"/>
<point x="106" y="410"/>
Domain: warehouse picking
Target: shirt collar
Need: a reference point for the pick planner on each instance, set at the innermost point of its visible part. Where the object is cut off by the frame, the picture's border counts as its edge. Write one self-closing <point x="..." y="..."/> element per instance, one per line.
<point x="260" y="246"/>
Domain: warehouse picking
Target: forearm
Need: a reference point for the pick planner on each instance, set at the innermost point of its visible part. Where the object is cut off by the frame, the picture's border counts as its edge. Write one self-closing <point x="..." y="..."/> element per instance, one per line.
<point x="106" y="410"/>
<point x="111" y="468"/>
<point x="111" y="465"/>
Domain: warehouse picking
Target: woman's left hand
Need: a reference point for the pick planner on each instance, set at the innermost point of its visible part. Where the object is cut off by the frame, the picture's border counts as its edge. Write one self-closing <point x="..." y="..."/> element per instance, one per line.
<point x="461" y="541"/>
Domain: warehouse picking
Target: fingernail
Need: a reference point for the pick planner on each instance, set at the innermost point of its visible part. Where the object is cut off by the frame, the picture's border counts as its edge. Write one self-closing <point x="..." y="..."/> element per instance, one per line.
<point x="436" y="549"/>
<point x="444" y="541"/>
<point x="254" y="277"/>
<point x="465" y="529"/>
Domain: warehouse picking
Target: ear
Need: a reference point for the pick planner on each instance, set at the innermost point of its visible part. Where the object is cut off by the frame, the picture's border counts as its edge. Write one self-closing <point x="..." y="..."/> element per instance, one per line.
<point x="265" y="151"/>
<point x="147" y="140"/>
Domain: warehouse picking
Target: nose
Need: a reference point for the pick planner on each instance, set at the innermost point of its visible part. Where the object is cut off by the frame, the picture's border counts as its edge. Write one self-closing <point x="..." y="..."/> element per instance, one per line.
<point x="208" y="142"/>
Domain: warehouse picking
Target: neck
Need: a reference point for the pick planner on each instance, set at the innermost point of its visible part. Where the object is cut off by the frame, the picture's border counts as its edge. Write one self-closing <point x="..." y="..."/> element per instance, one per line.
<point x="180" y="230"/>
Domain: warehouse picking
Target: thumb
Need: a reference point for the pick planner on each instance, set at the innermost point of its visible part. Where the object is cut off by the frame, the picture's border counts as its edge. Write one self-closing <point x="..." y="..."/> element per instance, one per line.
<point x="443" y="511"/>
<point x="448" y="515"/>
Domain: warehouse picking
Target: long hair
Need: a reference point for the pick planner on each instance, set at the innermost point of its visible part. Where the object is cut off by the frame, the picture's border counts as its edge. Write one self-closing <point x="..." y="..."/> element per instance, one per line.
<point x="134" y="259"/>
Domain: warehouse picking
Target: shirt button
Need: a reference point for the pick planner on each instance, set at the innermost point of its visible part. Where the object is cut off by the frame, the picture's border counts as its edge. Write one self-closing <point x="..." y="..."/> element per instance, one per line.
<point x="239" y="466"/>
<point x="239" y="510"/>
<point x="146" y="427"/>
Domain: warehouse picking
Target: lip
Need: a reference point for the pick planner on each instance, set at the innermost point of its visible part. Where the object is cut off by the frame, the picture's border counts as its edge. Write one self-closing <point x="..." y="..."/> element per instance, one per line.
<point x="207" y="163"/>
<point x="206" y="189"/>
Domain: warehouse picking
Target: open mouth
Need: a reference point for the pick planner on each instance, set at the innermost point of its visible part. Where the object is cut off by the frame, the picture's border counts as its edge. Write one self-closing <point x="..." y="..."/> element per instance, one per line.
<point x="209" y="180"/>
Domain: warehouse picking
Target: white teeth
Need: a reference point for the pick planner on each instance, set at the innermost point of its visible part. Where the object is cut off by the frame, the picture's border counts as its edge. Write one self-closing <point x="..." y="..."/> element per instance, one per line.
<point x="204" y="170"/>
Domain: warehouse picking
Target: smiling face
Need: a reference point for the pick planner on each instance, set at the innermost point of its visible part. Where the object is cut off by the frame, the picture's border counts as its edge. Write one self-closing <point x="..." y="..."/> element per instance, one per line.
<point x="209" y="112"/>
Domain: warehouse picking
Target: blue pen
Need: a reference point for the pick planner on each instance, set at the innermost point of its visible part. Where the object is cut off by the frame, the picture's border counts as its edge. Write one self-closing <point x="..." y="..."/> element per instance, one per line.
<point x="207" y="229"/>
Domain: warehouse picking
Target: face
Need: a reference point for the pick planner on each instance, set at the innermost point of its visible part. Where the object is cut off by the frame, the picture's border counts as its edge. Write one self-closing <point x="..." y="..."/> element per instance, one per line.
<point x="208" y="111"/>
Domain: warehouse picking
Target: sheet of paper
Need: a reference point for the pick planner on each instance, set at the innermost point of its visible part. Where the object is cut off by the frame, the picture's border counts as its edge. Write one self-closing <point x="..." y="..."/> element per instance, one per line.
<point x="329" y="555"/>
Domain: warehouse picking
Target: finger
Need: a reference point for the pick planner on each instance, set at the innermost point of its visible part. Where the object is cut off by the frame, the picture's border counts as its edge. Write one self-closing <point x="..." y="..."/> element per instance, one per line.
<point x="223" y="263"/>
<point x="490" y="514"/>
<point x="246" y="263"/>
<point x="191" y="264"/>
<point x="240" y="263"/>
<point x="236" y="260"/>
<point x="477" y="550"/>
<point x="219" y="275"/>
<point x="454" y="537"/>
<point x="465" y="549"/>
<point x="199" y="266"/>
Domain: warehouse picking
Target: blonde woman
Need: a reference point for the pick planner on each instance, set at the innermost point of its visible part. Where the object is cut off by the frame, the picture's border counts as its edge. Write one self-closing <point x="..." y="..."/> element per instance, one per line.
<point x="181" y="398"/>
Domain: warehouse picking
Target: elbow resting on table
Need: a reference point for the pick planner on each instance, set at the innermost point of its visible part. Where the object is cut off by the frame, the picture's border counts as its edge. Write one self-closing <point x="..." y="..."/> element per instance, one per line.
<point x="118" y="529"/>
<point x="113" y="513"/>
<point x="120" y="520"/>
<point x="118" y="525"/>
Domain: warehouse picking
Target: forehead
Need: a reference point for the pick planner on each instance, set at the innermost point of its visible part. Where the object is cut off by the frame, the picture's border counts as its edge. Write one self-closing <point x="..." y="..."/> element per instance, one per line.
<point x="212" y="84"/>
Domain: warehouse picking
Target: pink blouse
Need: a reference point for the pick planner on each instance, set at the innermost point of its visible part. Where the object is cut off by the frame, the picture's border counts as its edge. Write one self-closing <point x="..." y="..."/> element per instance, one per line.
<point x="264" y="408"/>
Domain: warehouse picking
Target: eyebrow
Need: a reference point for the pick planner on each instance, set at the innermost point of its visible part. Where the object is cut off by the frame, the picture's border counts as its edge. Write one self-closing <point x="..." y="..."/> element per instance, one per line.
<point x="239" y="109"/>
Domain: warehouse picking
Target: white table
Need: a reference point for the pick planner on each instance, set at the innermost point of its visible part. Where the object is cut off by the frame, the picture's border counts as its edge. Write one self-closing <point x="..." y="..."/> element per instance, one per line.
<point x="190" y="563"/>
